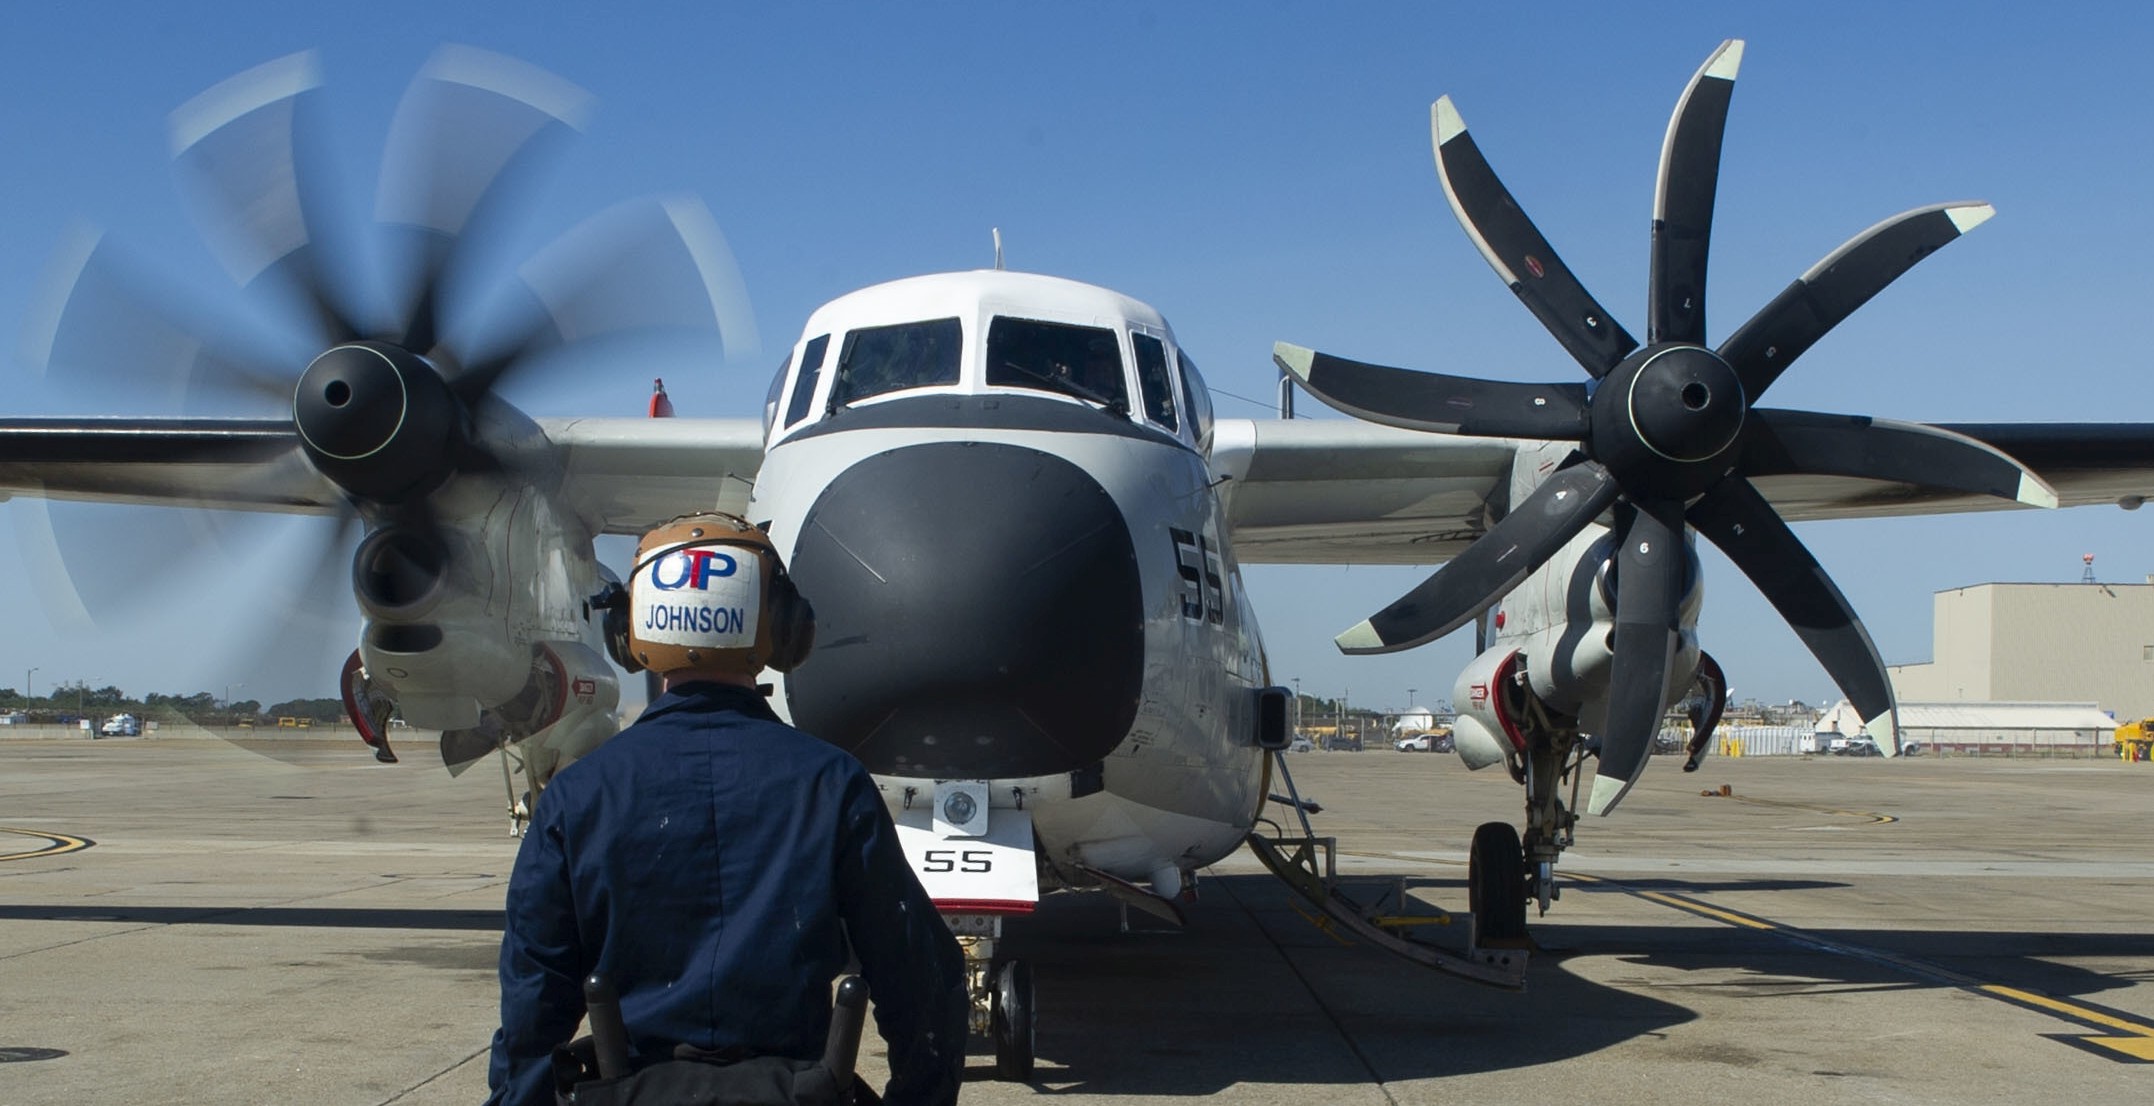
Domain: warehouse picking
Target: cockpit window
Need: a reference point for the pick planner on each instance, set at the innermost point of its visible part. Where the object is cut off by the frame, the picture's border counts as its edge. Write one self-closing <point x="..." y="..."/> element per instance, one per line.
<point x="1200" y="401"/>
<point x="777" y="389"/>
<point x="1152" y="376"/>
<point x="882" y="359"/>
<point x="811" y="371"/>
<point x="1082" y="361"/>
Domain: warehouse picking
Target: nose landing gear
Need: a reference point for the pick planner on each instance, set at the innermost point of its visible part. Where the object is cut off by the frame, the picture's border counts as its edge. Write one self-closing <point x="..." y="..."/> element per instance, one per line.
<point x="1011" y="1022"/>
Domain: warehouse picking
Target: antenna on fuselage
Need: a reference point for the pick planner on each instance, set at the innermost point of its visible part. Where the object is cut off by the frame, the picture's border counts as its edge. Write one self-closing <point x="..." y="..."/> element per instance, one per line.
<point x="998" y="249"/>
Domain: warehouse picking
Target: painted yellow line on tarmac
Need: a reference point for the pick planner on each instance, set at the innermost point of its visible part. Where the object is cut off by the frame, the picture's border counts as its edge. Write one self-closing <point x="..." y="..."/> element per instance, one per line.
<point x="2136" y="1047"/>
<point x="1695" y="907"/>
<point x="55" y="844"/>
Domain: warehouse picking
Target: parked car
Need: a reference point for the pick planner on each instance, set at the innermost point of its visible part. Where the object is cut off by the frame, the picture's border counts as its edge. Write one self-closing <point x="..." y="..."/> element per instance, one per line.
<point x="1300" y="744"/>
<point x="1436" y="742"/>
<point x="1857" y="747"/>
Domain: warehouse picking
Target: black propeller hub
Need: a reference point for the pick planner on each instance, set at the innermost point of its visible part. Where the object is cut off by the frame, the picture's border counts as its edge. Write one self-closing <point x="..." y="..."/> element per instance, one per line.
<point x="379" y="420"/>
<point x="1667" y="416"/>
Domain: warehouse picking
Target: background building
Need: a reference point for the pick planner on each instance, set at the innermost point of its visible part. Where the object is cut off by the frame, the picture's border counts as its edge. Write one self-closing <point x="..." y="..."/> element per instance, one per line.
<point x="2039" y="643"/>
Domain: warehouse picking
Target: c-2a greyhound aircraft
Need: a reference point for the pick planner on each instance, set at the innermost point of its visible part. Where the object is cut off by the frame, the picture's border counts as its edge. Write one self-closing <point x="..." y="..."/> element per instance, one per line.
<point x="1018" y="518"/>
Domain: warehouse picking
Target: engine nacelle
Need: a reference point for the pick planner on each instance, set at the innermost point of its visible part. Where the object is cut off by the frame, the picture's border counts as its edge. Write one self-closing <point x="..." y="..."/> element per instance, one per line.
<point x="1563" y="618"/>
<point x="1484" y="732"/>
<point x="457" y="610"/>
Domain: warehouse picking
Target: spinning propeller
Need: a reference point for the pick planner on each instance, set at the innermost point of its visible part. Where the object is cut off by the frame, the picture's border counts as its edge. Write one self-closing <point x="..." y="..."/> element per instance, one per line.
<point x="1668" y="433"/>
<point x="387" y="389"/>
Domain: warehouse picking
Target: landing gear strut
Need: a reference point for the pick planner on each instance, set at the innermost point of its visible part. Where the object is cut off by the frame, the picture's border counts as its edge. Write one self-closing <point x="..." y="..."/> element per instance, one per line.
<point x="1552" y="768"/>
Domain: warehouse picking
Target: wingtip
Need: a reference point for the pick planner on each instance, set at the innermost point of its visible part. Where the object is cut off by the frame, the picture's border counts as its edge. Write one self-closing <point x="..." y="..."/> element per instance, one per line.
<point x="1966" y="217"/>
<point x="1445" y="120"/>
<point x="1607" y="792"/>
<point x="1726" y="61"/>
<point x="1362" y="638"/>
<point x="1293" y="360"/>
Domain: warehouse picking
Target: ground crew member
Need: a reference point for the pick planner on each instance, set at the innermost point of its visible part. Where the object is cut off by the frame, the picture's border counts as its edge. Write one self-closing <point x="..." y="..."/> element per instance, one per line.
<point x="713" y="861"/>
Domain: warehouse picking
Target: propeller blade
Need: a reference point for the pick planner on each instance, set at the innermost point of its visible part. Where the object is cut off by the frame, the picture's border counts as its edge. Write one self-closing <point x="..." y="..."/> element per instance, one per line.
<point x="1833" y="288"/>
<point x="237" y="148"/>
<point x="644" y="270"/>
<point x="1705" y="707"/>
<point x="102" y="325"/>
<point x="1650" y="558"/>
<point x="1437" y="402"/>
<point x="1736" y="518"/>
<point x="1683" y="200"/>
<point x="1514" y="247"/>
<point x="1491" y="566"/>
<point x="467" y="136"/>
<point x="1817" y="444"/>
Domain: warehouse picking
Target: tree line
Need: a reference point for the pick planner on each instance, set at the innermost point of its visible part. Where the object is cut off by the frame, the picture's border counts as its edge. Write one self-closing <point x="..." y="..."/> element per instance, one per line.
<point x="70" y="702"/>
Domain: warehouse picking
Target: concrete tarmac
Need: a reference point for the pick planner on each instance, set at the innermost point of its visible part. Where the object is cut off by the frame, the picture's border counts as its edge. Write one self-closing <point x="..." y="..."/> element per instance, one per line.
<point x="186" y="921"/>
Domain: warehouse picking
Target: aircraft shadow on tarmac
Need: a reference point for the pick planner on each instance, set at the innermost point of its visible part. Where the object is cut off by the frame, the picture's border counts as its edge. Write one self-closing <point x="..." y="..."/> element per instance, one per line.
<point x="1252" y="992"/>
<point x="1826" y="961"/>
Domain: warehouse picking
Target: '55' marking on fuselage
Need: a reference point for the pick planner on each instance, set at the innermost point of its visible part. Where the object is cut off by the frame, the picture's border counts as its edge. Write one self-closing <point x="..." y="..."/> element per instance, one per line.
<point x="1203" y="591"/>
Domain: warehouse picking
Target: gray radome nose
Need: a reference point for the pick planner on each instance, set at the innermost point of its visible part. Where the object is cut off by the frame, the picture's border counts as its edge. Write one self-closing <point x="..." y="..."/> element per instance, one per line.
<point x="979" y="614"/>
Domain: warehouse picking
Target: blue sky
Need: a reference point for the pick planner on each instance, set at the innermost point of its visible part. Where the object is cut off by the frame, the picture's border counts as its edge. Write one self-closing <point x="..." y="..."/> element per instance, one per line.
<point x="1258" y="172"/>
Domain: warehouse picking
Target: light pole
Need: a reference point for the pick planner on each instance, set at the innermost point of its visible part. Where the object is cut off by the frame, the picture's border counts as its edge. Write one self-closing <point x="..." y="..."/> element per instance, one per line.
<point x="228" y="693"/>
<point x="26" y="685"/>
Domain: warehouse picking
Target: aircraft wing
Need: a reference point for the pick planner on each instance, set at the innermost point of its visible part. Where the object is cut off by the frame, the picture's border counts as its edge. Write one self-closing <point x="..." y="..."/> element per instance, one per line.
<point x="248" y="464"/>
<point x="621" y="475"/>
<point x="625" y="476"/>
<point x="2087" y="463"/>
<point x="1342" y="491"/>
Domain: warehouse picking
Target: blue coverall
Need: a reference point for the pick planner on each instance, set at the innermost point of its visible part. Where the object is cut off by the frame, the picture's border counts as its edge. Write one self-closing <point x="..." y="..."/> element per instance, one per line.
<point x="713" y="861"/>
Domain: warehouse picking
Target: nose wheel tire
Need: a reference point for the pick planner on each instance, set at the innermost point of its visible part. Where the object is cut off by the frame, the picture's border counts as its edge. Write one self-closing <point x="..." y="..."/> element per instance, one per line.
<point x="1013" y="1023"/>
<point x="1496" y="887"/>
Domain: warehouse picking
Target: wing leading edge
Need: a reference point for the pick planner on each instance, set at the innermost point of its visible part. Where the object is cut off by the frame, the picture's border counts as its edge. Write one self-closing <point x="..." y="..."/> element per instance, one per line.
<point x="1335" y="491"/>
<point x="622" y="476"/>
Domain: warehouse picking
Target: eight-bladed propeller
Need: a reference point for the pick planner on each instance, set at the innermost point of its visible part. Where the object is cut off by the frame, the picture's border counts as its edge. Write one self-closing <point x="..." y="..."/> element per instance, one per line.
<point x="1668" y="433"/>
<point x="388" y="403"/>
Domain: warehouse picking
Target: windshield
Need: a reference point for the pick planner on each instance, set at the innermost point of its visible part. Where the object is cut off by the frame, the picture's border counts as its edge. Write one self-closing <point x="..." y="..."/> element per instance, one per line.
<point x="888" y="358"/>
<point x="1082" y="361"/>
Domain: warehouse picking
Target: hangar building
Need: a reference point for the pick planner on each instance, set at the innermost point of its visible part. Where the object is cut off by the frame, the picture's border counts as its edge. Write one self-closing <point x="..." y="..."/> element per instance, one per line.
<point x="2039" y="643"/>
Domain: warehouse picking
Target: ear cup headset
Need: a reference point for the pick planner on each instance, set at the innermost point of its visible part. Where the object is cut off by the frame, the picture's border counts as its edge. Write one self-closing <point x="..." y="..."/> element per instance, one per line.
<point x="643" y="633"/>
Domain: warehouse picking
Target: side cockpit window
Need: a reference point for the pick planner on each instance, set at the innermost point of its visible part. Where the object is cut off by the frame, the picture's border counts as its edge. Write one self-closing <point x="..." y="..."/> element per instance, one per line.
<point x="777" y="391"/>
<point x="811" y="372"/>
<point x="883" y="359"/>
<point x="1200" y="401"/>
<point x="1153" y="377"/>
<point x="1080" y="361"/>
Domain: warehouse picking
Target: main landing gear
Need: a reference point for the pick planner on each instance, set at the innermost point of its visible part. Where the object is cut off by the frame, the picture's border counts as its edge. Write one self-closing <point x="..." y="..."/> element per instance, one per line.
<point x="1552" y="768"/>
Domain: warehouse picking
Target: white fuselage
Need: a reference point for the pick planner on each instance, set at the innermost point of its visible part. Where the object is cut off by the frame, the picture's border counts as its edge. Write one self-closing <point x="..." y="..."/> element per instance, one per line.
<point x="1178" y="784"/>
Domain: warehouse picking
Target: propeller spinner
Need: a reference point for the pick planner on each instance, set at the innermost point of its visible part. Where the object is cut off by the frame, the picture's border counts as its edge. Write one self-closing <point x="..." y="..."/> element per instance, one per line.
<point x="1669" y="433"/>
